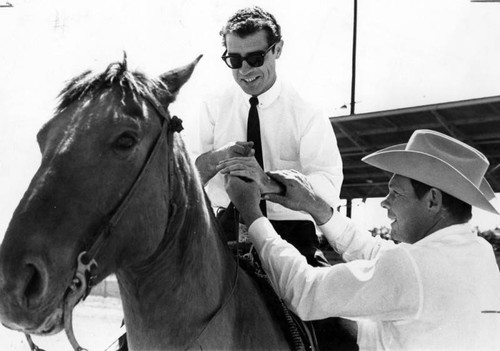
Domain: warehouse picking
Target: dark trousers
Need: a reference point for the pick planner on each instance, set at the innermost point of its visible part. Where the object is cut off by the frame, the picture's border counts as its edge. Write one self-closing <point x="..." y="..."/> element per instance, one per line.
<point x="302" y="235"/>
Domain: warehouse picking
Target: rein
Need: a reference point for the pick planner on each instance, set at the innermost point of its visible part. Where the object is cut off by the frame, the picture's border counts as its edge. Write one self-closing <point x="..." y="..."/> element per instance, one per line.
<point x="86" y="271"/>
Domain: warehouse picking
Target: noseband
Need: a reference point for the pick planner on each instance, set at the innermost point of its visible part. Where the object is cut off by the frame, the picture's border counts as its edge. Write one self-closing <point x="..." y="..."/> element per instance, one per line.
<point x="86" y="270"/>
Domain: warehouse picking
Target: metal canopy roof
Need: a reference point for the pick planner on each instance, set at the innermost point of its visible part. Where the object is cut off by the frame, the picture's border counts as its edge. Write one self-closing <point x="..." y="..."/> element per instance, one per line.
<point x="475" y="122"/>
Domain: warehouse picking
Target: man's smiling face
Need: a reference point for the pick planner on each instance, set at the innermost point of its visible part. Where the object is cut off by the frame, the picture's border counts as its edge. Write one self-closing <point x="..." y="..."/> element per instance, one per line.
<point x="254" y="80"/>
<point x="411" y="220"/>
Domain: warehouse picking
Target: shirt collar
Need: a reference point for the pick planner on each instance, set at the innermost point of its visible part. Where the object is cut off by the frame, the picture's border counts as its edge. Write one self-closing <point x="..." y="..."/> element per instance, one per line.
<point x="463" y="231"/>
<point x="268" y="97"/>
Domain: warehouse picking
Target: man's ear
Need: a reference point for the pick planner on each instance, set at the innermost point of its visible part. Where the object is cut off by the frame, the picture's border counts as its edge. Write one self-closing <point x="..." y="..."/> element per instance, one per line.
<point x="434" y="198"/>
<point x="279" y="48"/>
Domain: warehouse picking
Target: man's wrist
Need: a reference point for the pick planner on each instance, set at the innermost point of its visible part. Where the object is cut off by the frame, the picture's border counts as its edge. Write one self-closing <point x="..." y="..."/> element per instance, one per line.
<point x="321" y="213"/>
<point x="206" y="165"/>
<point x="251" y="215"/>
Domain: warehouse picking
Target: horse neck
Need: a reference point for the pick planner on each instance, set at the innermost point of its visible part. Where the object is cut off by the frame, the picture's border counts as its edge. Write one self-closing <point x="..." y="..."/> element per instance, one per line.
<point x="186" y="281"/>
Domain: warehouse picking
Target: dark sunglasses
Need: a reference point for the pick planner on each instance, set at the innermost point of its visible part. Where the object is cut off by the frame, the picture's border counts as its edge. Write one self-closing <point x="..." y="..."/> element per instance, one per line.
<point x="254" y="59"/>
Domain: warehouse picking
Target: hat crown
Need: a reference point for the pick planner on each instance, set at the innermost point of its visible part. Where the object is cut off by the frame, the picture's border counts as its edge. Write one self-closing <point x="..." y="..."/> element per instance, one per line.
<point x="465" y="159"/>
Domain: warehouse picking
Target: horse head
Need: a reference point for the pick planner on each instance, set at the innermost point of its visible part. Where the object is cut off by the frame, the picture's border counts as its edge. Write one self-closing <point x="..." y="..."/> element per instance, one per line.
<point x="96" y="152"/>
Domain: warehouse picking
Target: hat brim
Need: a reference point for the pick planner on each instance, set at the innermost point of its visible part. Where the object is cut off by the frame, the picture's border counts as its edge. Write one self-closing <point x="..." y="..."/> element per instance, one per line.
<point x="434" y="172"/>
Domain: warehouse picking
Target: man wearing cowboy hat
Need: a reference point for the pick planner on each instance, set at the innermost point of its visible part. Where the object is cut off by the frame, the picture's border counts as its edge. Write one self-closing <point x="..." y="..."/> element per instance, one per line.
<point x="438" y="289"/>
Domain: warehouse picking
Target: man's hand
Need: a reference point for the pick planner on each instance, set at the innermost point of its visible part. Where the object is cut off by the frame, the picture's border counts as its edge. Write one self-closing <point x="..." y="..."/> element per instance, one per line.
<point x="245" y="195"/>
<point x="235" y="149"/>
<point x="207" y="162"/>
<point x="299" y="195"/>
<point x="248" y="168"/>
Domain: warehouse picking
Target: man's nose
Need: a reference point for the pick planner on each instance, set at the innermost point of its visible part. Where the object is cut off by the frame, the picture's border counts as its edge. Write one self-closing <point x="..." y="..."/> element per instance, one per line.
<point x="245" y="68"/>
<point x="385" y="202"/>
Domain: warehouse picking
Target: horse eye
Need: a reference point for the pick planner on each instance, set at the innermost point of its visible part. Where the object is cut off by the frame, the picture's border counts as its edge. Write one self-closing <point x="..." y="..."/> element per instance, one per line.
<point x="125" y="141"/>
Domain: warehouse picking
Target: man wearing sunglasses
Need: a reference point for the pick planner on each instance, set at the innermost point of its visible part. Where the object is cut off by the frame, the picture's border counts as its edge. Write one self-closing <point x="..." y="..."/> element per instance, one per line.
<point x="294" y="135"/>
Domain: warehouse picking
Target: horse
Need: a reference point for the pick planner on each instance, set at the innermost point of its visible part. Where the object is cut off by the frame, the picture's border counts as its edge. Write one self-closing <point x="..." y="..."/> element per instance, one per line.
<point x="117" y="192"/>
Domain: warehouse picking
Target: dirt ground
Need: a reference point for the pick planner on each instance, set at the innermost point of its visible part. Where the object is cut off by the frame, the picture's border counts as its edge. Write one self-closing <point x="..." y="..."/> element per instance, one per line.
<point x="96" y="322"/>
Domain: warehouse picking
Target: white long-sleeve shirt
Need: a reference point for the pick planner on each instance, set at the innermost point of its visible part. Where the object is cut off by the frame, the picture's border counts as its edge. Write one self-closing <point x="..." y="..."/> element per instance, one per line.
<point x="441" y="293"/>
<point x="295" y="135"/>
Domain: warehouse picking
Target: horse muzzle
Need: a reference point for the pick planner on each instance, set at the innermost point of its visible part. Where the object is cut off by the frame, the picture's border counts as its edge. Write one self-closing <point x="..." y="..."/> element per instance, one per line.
<point x="24" y="304"/>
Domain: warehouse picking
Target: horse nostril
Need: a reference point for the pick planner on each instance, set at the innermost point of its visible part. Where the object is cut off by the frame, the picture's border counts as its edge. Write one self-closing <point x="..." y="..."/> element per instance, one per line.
<point x="34" y="286"/>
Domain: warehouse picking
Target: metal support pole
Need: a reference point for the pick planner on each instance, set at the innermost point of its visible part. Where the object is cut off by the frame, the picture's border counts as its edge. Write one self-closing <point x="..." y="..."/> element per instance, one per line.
<point x="354" y="44"/>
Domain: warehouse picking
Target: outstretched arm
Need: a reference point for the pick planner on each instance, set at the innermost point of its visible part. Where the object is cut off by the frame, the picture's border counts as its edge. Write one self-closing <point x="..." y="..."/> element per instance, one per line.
<point x="341" y="232"/>
<point x="321" y="292"/>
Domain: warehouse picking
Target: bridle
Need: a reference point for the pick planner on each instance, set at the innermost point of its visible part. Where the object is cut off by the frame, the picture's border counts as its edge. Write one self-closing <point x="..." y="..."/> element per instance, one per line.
<point x="86" y="270"/>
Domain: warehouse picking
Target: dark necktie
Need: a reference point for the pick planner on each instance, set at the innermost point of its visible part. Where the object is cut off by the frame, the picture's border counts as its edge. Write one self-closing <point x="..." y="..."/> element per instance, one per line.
<point x="253" y="130"/>
<point x="253" y="134"/>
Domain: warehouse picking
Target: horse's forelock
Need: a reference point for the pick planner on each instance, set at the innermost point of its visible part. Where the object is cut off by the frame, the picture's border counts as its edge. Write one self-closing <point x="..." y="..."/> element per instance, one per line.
<point x="132" y="84"/>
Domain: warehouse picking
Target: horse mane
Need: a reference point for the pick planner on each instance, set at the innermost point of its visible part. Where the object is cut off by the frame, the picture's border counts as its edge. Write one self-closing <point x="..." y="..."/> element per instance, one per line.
<point x="90" y="84"/>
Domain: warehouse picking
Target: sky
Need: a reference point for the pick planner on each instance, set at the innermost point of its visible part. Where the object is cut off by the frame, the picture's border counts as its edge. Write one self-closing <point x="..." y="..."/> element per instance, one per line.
<point x="409" y="53"/>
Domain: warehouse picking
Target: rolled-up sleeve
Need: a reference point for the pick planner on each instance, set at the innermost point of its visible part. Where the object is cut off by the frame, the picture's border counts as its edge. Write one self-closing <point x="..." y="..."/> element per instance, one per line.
<point x="385" y="288"/>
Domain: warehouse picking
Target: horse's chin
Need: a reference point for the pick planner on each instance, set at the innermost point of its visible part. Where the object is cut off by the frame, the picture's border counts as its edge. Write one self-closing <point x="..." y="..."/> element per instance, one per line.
<point x="53" y="324"/>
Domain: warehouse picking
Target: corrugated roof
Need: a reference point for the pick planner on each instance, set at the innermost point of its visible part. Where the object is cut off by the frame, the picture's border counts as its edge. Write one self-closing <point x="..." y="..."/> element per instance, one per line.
<point x="475" y="122"/>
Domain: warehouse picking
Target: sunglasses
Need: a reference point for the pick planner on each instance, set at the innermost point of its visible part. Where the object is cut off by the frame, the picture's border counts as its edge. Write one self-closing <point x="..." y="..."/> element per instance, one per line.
<point x="254" y="59"/>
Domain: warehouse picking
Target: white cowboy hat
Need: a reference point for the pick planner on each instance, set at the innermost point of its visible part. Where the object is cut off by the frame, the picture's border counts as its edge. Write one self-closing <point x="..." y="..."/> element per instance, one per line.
<point x="441" y="162"/>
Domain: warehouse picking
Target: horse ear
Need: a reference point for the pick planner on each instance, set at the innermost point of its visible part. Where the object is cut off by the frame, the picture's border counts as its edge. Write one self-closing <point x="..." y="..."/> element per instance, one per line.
<point x="175" y="78"/>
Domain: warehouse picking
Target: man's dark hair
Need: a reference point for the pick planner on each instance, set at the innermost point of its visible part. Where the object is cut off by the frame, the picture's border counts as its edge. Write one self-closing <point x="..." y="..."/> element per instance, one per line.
<point x="460" y="210"/>
<point x="250" y="20"/>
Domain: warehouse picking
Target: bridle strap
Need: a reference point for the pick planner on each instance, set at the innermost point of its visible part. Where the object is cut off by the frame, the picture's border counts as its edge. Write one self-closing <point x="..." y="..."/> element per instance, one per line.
<point x="106" y="231"/>
<point x="169" y="126"/>
<point x="86" y="263"/>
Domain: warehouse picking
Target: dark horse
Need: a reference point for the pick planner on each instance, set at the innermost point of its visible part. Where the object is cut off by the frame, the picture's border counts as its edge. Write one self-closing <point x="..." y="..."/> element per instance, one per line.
<point x="116" y="192"/>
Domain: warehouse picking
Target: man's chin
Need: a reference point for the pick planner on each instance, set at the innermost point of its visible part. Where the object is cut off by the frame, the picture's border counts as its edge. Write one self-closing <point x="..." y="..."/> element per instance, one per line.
<point x="248" y="90"/>
<point x="394" y="231"/>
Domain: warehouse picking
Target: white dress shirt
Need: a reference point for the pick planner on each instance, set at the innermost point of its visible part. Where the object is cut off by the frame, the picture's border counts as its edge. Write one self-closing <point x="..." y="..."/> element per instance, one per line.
<point x="294" y="134"/>
<point x="441" y="293"/>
